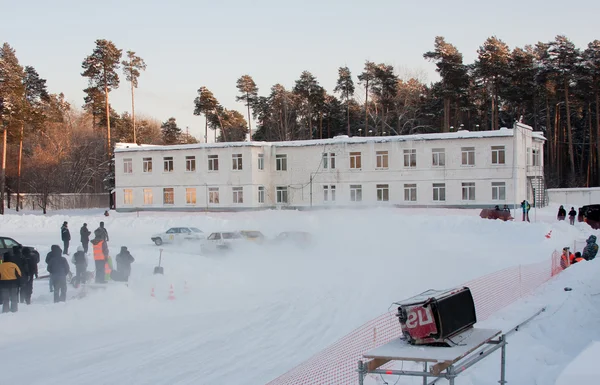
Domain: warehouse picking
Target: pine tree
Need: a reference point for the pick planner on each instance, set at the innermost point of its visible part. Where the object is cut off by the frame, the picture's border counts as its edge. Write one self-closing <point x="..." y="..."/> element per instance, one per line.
<point x="101" y="69"/>
<point x="171" y="134"/>
<point x="205" y="104"/>
<point x="365" y="78"/>
<point x="132" y="67"/>
<point x="249" y="93"/>
<point x="384" y="89"/>
<point x="591" y="57"/>
<point x="311" y="94"/>
<point x="345" y="86"/>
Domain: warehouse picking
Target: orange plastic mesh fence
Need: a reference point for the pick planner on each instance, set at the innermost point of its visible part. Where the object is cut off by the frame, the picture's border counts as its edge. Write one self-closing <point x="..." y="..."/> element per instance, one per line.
<point x="337" y="364"/>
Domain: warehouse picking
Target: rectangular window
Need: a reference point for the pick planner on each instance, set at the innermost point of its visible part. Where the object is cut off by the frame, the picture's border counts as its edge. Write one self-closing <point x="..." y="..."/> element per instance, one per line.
<point x="535" y="157"/>
<point x="498" y="155"/>
<point x="468" y="156"/>
<point x="498" y="191"/>
<point x="213" y="163"/>
<point x="168" y="196"/>
<point x="190" y="196"/>
<point x="238" y="194"/>
<point x="410" y="192"/>
<point x="439" y="157"/>
<point x="261" y="161"/>
<point x="168" y="162"/>
<point x="213" y="195"/>
<point x="329" y="193"/>
<point x="383" y="193"/>
<point x="355" y="160"/>
<point x="282" y="194"/>
<point x="468" y="191"/>
<point x="127" y="196"/>
<point x="190" y="163"/>
<point x="356" y="193"/>
<point x="281" y="162"/>
<point x="410" y="157"/>
<point x="329" y="160"/>
<point x="261" y="194"/>
<point x="237" y="162"/>
<point x="439" y="192"/>
<point x="148" y="198"/>
<point x="127" y="165"/>
<point x="381" y="158"/>
<point x="147" y="164"/>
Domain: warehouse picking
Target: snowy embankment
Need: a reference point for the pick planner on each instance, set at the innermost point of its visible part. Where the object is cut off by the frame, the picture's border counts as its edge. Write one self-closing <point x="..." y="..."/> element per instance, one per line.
<point x="252" y="315"/>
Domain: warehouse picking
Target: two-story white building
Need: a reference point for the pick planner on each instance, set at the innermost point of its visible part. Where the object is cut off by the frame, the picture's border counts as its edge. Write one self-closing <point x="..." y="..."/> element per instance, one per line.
<point x="458" y="169"/>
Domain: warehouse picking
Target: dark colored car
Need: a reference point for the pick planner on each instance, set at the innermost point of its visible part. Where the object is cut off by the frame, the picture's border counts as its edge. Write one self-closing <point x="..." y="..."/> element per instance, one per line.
<point x="496" y="214"/>
<point x="590" y="214"/>
<point x="6" y="244"/>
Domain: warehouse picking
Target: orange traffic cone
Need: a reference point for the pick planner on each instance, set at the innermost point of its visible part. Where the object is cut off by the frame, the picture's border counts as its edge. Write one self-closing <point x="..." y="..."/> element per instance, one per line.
<point x="171" y="293"/>
<point x="549" y="234"/>
<point x="152" y="293"/>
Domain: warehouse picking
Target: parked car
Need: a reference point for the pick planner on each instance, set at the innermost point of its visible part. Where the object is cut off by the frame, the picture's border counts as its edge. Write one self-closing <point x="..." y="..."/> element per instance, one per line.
<point x="253" y="235"/>
<point x="6" y="244"/>
<point x="221" y="241"/>
<point x="177" y="235"/>
<point x="297" y="238"/>
<point x="496" y="214"/>
<point x="590" y="214"/>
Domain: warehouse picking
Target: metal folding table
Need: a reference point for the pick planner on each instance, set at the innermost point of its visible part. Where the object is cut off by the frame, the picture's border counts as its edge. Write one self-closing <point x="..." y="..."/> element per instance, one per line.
<point x="465" y="350"/>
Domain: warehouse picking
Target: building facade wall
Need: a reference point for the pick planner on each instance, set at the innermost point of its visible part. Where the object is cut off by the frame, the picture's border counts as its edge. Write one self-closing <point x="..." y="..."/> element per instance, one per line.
<point x="364" y="172"/>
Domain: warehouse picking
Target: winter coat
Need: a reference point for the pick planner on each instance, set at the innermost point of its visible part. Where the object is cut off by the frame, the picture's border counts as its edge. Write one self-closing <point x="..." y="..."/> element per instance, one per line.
<point x="79" y="259"/>
<point x="103" y="233"/>
<point x="17" y="258"/>
<point x="124" y="261"/>
<point x="562" y="213"/>
<point x="104" y="246"/>
<point x="31" y="261"/>
<point x="59" y="267"/>
<point x="525" y="206"/>
<point x="65" y="233"/>
<point x="85" y="234"/>
<point x="10" y="274"/>
<point x="591" y="249"/>
<point x="572" y="213"/>
<point x="55" y="251"/>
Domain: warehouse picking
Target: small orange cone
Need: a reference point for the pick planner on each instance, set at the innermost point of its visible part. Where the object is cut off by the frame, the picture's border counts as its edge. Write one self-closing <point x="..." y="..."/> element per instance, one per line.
<point x="152" y="293"/>
<point x="171" y="293"/>
<point x="549" y="234"/>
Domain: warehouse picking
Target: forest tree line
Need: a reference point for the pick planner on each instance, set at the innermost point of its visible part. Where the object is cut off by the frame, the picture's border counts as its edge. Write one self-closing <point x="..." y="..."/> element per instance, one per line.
<point x="50" y="146"/>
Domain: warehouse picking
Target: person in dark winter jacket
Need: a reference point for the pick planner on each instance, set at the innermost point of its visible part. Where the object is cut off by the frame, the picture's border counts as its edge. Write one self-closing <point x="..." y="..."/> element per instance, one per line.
<point x="124" y="261"/>
<point x="572" y="215"/>
<point x="9" y="282"/>
<point x="85" y="237"/>
<point x="32" y="271"/>
<point x="19" y="260"/>
<point x="80" y="263"/>
<point x="562" y="213"/>
<point x="55" y="252"/>
<point x="59" y="269"/>
<point x="103" y="231"/>
<point x="65" y="235"/>
<point x="591" y="249"/>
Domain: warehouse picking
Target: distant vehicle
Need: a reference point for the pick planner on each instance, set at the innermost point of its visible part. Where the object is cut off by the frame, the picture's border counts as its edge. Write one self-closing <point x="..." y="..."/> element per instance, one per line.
<point x="177" y="235"/>
<point x="590" y="214"/>
<point x="6" y="244"/>
<point x="221" y="241"/>
<point x="255" y="236"/>
<point x="298" y="238"/>
<point x="496" y="214"/>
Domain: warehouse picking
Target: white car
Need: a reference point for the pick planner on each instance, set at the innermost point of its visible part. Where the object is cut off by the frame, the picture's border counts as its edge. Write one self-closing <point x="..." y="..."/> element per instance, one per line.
<point x="221" y="241"/>
<point x="178" y="235"/>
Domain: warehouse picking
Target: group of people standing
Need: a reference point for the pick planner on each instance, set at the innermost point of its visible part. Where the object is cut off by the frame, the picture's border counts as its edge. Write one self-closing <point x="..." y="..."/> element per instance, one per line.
<point x="562" y="214"/>
<point x="589" y="253"/>
<point x="20" y="267"/>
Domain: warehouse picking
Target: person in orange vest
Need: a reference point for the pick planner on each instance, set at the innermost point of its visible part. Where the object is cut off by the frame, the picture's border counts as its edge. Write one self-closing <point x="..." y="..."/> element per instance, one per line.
<point x="100" y="251"/>
<point x="567" y="258"/>
<point x="578" y="257"/>
<point x="10" y="275"/>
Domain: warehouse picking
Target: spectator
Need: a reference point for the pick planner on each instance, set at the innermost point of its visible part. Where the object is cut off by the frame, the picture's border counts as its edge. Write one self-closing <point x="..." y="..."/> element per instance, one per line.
<point x="66" y="237"/>
<point x="100" y="249"/>
<point x="80" y="266"/>
<point x="85" y="237"/>
<point x="562" y="213"/>
<point x="526" y="207"/>
<point x="572" y="215"/>
<point x="32" y="271"/>
<point x="59" y="269"/>
<point x="17" y="258"/>
<point x="103" y="231"/>
<point x="9" y="283"/>
<point x="54" y="252"/>
<point x="591" y="249"/>
<point x="124" y="261"/>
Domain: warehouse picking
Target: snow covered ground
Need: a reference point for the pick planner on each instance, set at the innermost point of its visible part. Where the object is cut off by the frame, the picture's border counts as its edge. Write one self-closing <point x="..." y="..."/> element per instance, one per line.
<point x="250" y="316"/>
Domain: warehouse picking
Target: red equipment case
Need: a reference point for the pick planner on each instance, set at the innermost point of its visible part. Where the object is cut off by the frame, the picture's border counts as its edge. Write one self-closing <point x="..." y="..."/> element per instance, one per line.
<point x="434" y="316"/>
